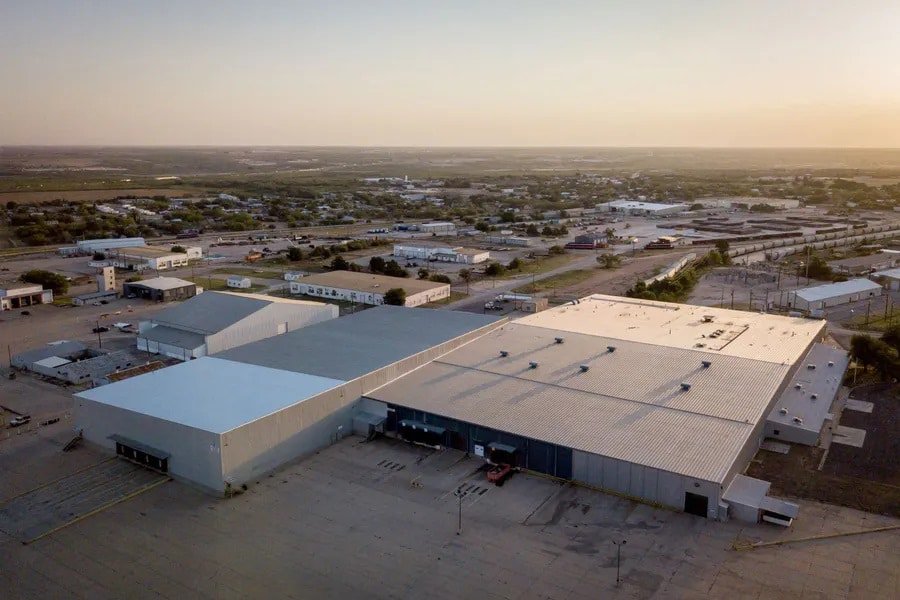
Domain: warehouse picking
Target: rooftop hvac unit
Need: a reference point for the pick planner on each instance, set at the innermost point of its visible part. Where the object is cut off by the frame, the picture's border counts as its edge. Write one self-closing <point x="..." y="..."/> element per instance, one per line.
<point x="685" y="386"/>
<point x="611" y="348"/>
<point x="708" y="318"/>
<point x="814" y="396"/>
<point x="504" y="353"/>
<point x="798" y="420"/>
<point x="830" y="363"/>
<point x="559" y="340"/>
<point x="706" y="364"/>
<point x="584" y="368"/>
<point x="532" y="365"/>
<point x="811" y="367"/>
<point x="782" y="411"/>
<point x="798" y="386"/>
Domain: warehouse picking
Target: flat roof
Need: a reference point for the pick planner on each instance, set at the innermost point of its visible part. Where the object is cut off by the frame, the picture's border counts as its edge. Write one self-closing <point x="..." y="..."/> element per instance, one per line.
<point x="369" y="283"/>
<point x="629" y="404"/>
<point x="823" y="382"/>
<point x="351" y="346"/>
<point x="211" y="394"/>
<point x="758" y="336"/>
<point x="146" y="252"/>
<point x="641" y="204"/>
<point x="841" y="288"/>
<point x="51" y="362"/>
<point x="889" y="273"/>
<point x="161" y="283"/>
<point x="173" y="336"/>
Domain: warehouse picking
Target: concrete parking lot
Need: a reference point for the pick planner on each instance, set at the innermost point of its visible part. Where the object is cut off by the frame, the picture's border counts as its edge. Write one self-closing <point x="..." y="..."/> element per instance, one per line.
<point x="379" y="520"/>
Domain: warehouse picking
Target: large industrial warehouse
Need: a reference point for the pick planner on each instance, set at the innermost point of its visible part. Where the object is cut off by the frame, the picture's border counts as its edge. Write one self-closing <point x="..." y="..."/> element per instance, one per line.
<point x="222" y="421"/>
<point x="661" y="402"/>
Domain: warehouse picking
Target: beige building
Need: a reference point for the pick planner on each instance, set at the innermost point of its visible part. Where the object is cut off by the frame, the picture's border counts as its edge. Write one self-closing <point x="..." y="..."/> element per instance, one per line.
<point x="366" y="288"/>
<point x="141" y="258"/>
<point x="106" y="279"/>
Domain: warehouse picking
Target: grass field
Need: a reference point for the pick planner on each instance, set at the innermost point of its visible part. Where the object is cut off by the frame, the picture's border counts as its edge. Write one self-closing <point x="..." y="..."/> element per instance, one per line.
<point x="539" y="265"/>
<point x="250" y="272"/>
<point x="568" y="278"/>
<point x="89" y="195"/>
<point x="454" y="296"/>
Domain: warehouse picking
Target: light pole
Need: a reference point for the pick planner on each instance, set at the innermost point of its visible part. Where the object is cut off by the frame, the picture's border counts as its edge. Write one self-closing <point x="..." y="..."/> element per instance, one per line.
<point x="99" y="340"/>
<point x="459" y="496"/>
<point x="618" y="559"/>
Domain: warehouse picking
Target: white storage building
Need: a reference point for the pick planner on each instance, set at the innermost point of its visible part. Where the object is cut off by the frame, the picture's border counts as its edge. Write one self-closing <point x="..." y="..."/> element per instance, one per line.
<point x="219" y="422"/>
<point x="21" y="297"/>
<point x="236" y="281"/>
<point x="634" y="207"/>
<point x="821" y="297"/>
<point x="889" y="278"/>
<point x="366" y="288"/>
<point x="662" y="402"/>
<point x="457" y="254"/>
<point x="142" y="258"/>
<point x="216" y="321"/>
<point x="438" y="227"/>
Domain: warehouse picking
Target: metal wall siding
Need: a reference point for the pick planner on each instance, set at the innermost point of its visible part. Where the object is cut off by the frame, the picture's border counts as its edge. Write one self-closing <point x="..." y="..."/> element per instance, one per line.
<point x="264" y="323"/>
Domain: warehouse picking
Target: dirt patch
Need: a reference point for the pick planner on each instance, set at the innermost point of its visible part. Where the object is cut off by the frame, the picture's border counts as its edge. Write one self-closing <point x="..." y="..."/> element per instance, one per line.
<point x="866" y="478"/>
<point x="617" y="281"/>
<point x="91" y="195"/>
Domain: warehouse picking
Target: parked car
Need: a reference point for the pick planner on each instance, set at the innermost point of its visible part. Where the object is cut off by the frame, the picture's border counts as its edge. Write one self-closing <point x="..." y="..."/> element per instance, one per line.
<point x="20" y="420"/>
<point x="100" y="329"/>
<point x="25" y="313"/>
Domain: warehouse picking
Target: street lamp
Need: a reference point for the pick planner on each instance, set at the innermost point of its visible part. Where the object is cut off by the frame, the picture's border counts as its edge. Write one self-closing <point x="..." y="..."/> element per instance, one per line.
<point x="618" y="559"/>
<point x="459" y="496"/>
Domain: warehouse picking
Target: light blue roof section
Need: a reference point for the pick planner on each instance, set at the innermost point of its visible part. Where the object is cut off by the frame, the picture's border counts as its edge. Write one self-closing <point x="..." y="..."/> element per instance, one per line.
<point x="211" y="394"/>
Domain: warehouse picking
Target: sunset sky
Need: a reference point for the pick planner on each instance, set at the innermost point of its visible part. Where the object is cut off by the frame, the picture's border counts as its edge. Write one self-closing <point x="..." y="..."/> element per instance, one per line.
<point x="489" y="73"/>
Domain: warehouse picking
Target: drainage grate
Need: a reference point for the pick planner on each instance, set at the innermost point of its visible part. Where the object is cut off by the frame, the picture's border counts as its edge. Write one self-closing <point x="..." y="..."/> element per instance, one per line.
<point x="391" y="465"/>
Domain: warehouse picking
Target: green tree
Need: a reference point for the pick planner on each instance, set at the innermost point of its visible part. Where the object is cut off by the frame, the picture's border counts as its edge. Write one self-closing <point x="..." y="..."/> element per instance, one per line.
<point x="532" y="230"/>
<point x="179" y="249"/>
<point x="376" y="264"/>
<point x="556" y="250"/>
<point x="722" y="246"/>
<point x="439" y="278"/>
<point x="891" y="337"/>
<point x="99" y="256"/>
<point x="47" y="280"/>
<point x="515" y="264"/>
<point x="609" y="260"/>
<point x="423" y="273"/>
<point x="339" y="263"/>
<point x="393" y="269"/>
<point x="494" y="269"/>
<point x="395" y="297"/>
<point x="294" y="254"/>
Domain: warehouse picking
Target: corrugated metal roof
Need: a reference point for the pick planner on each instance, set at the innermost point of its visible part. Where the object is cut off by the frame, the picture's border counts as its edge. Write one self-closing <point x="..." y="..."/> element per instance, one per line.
<point x="211" y="394"/>
<point x="657" y="436"/>
<point x="823" y="382"/>
<point x="162" y="283"/>
<point x="367" y="282"/>
<point x="730" y="388"/>
<point x="889" y="273"/>
<point x="737" y="333"/>
<point x="352" y="346"/>
<point x="841" y="288"/>
<point x="174" y="337"/>
<point x="209" y="312"/>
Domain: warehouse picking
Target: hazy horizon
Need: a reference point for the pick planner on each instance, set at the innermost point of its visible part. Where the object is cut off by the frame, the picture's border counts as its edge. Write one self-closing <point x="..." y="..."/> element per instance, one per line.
<point x="648" y="74"/>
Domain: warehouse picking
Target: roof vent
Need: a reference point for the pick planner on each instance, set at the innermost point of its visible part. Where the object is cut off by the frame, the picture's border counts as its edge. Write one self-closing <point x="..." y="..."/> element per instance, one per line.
<point x="708" y="318"/>
<point x="798" y="420"/>
<point x="814" y="396"/>
<point x="611" y="348"/>
<point x="558" y="340"/>
<point x="811" y="367"/>
<point x="532" y="365"/>
<point x="798" y="386"/>
<point x="706" y="364"/>
<point x="830" y="363"/>
<point x="782" y="411"/>
<point x="584" y="368"/>
<point x="504" y="353"/>
<point x="685" y="386"/>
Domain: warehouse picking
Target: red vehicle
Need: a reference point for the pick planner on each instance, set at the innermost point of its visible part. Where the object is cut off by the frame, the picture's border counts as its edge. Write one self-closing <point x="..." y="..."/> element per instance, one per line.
<point x="497" y="474"/>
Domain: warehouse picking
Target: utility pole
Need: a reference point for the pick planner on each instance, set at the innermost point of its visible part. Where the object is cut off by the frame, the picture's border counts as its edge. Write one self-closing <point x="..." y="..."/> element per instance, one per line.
<point x="618" y="559"/>
<point x="732" y="299"/>
<point x="808" y="251"/>
<point x="751" y="300"/>
<point x="99" y="340"/>
<point x="868" y="308"/>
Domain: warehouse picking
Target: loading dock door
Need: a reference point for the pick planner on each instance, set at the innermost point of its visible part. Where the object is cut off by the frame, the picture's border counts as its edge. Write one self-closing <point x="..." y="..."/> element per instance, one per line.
<point x="695" y="504"/>
<point x="137" y="452"/>
<point x="391" y="421"/>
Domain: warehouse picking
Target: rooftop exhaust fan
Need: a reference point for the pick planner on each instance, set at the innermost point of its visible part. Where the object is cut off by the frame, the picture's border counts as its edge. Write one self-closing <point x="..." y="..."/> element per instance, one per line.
<point x="814" y="396"/>
<point x="782" y="411"/>
<point x="532" y="365"/>
<point x="798" y="386"/>
<point x="811" y="367"/>
<point x="559" y="340"/>
<point x="584" y="368"/>
<point x="798" y="420"/>
<point x="611" y="348"/>
<point x="706" y="364"/>
<point x="504" y="353"/>
<point x="830" y="363"/>
<point x="685" y="386"/>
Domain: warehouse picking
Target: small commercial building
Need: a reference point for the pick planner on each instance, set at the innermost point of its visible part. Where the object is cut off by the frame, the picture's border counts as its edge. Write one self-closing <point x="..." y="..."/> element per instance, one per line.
<point x="508" y="240"/>
<point x="889" y="278"/>
<point x="439" y="253"/>
<point x="438" y="228"/>
<point x="864" y="265"/>
<point x="73" y="362"/>
<point x="634" y="207"/>
<point x="95" y="297"/>
<point x="24" y="296"/>
<point x="161" y="289"/>
<point x="223" y="421"/>
<point x="820" y="297"/>
<point x="146" y="257"/>
<point x="294" y="275"/>
<point x="367" y="288"/>
<point x="216" y="321"/>
<point x="89" y="247"/>
<point x="236" y="281"/>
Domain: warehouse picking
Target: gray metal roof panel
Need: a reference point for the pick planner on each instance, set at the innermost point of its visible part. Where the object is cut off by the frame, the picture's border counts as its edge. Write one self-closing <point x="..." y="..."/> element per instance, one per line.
<point x="831" y="290"/>
<point x="352" y="346"/>
<point x="174" y="337"/>
<point x="209" y="312"/>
